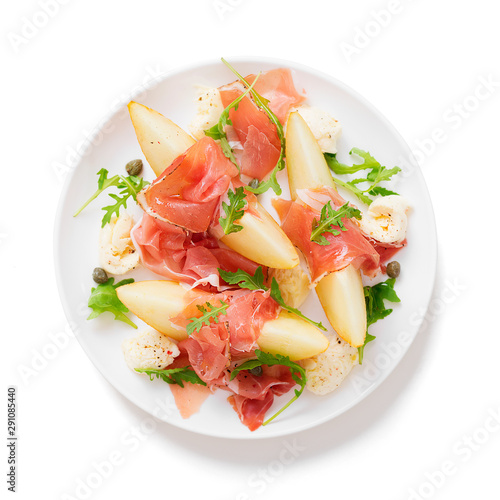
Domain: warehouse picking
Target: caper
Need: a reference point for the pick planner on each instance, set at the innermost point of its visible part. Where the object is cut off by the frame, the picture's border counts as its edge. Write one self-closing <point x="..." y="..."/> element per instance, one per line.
<point x="257" y="371"/>
<point x="254" y="183"/>
<point x="393" y="269"/>
<point x="99" y="275"/>
<point x="134" y="167"/>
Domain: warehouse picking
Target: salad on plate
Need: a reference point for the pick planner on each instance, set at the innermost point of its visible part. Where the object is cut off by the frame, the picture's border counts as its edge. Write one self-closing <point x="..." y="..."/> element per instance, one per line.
<point x="227" y="277"/>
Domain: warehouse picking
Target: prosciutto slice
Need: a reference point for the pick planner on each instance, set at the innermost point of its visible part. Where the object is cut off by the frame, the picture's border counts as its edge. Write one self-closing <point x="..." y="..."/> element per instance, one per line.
<point x="253" y="395"/>
<point x="348" y="247"/>
<point x="208" y="351"/>
<point x="257" y="145"/>
<point x="247" y="312"/>
<point x="278" y="88"/>
<point x="216" y="349"/>
<point x="187" y="193"/>
<point x="189" y="398"/>
<point x="387" y="251"/>
<point x="192" y="258"/>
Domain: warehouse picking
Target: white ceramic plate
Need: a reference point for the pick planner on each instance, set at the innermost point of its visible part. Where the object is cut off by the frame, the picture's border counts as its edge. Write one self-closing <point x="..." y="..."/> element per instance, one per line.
<point x="76" y="251"/>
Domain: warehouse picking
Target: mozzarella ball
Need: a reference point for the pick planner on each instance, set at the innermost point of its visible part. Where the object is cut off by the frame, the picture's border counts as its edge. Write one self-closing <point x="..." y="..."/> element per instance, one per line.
<point x="149" y="349"/>
<point x="116" y="250"/>
<point x="326" y="371"/>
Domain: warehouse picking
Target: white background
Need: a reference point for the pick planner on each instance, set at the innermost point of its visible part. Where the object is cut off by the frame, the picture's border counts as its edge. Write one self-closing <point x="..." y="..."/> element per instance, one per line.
<point x="419" y="65"/>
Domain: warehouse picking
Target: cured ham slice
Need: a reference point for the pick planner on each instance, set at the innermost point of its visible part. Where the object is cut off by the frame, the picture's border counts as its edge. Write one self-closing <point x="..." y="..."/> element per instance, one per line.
<point x="187" y="193"/>
<point x="255" y="395"/>
<point x="278" y="88"/>
<point x="192" y="258"/>
<point x="246" y="315"/>
<point x="387" y="251"/>
<point x="189" y="398"/>
<point x="208" y="351"/>
<point x="247" y="312"/>
<point x="348" y="247"/>
<point x="276" y="378"/>
<point x="259" y="146"/>
<point x="251" y="411"/>
<point x="215" y="349"/>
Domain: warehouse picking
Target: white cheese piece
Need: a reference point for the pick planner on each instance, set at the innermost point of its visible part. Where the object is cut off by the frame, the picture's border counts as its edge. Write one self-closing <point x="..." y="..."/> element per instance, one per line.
<point x="209" y="110"/>
<point x="325" y="128"/>
<point x="326" y="371"/>
<point x="386" y="219"/>
<point x="149" y="349"/>
<point x="116" y="250"/>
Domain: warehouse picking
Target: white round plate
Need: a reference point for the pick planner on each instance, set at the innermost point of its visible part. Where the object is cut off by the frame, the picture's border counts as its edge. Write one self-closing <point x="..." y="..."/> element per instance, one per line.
<point x="76" y="250"/>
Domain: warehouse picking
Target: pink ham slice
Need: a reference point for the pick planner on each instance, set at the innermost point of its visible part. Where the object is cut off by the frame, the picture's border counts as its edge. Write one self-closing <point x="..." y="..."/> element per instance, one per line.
<point x="179" y="255"/>
<point x="187" y="193"/>
<point x="216" y="349"/>
<point x="387" y="251"/>
<point x="278" y="88"/>
<point x="208" y="351"/>
<point x="260" y="144"/>
<point x="247" y="312"/>
<point x="253" y="396"/>
<point x="348" y="247"/>
<point x="251" y="411"/>
<point x="189" y="398"/>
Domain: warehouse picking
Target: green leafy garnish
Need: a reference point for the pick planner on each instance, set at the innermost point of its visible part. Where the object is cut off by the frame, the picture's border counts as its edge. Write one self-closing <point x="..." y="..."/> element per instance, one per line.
<point x="234" y="211"/>
<point x="103" y="298"/>
<point x="375" y="306"/>
<point x="263" y="358"/>
<point x="209" y="312"/>
<point x="331" y="222"/>
<point x="361" y="350"/>
<point x="244" y="279"/>
<point x="173" y="376"/>
<point x="377" y="174"/>
<point x="256" y="282"/>
<point x="129" y="186"/>
<point x="261" y="102"/>
<point x="374" y="298"/>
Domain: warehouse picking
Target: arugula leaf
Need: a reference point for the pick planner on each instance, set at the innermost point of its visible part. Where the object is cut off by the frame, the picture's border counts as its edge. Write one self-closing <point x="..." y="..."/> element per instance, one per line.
<point x="375" y="306"/>
<point x="369" y="162"/>
<point x="361" y="350"/>
<point x="209" y="312"/>
<point x="276" y="295"/>
<point x="261" y="102"/>
<point x="331" y="222"/>
<point x="129" y="186"/>
<point x="382" y="191"/>
<point x="270" y="183"/>
<point x="377" y="174"/>
<point x="256" y="282"/>
<point x="351" y="187"/>
<point x="374" y="299"/>
<point x="103" y="298"/>
<point x="245" y="280"/>
<point x="263" y="358"/>
<point x="173" y="376"/>
<point x="213" y="132"/>
<point x="234" y="211"/>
